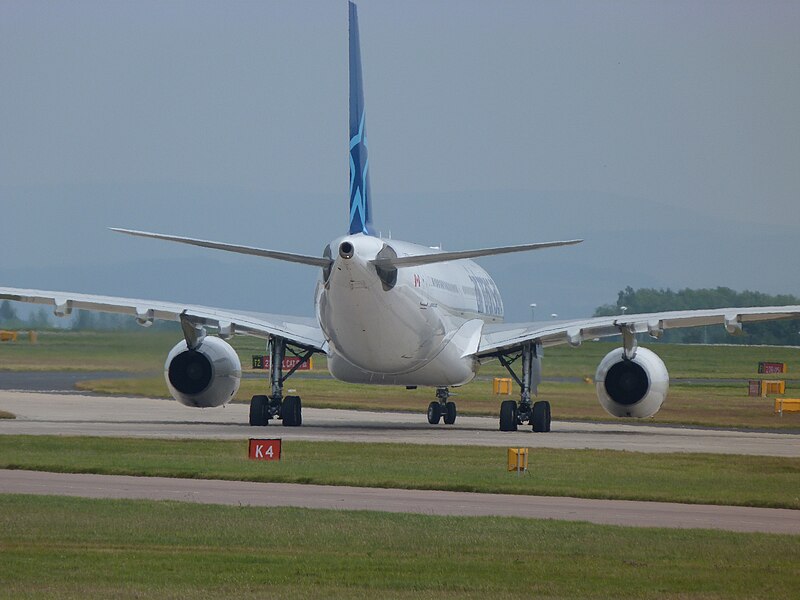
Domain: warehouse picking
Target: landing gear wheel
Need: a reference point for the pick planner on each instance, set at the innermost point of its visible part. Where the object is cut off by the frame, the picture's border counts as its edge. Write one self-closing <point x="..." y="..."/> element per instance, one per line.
<point x="450" y="413"/>
<point x="547" y="405"/>
<point x="508" y="415"/>
<point x="541" y="417"/>
<point x="434" y="413"/>
<point x="258" y="411"/>
<point x="292" y="411"/>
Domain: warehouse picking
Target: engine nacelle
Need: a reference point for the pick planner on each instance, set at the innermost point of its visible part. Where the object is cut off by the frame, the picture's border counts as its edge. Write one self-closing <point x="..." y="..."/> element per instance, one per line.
<point x="632" y="388"/>
<point x="206" y="377"/>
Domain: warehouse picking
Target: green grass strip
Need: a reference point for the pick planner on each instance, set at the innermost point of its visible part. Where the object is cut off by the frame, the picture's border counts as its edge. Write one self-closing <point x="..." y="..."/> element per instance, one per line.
<point x="145" y="350"/>
<point x="55" y="547"/>
<point x="692" y="478"/>
<point x="142" y="353"/>
<point x="711" y="405"/>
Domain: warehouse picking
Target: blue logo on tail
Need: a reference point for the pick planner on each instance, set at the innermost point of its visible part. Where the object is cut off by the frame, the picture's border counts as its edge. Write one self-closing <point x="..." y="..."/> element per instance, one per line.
<point x="360" y="210"/>
<point x="359" y="181"/>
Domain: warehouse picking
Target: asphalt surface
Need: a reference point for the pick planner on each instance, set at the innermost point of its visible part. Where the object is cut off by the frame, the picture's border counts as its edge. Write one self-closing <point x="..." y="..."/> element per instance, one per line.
<point x="53" y="381"/>
<point x="72" y="414"/>
<point x="242" y="493"/>
<point x="48" y="413"/>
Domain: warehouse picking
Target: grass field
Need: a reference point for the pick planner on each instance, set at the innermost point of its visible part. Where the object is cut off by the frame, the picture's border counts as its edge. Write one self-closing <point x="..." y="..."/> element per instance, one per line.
<point x="136" y="351"/>
<point x="76" y="548"/>
<point x="714" y="403"/>
<point x="692" y="478"/>
<point x="145" y="351"/>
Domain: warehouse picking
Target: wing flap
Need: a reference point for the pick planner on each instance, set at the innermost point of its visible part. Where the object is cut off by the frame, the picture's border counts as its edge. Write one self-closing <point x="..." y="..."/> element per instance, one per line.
<point x="302" y="331"/>
<point x="507" y="336"/>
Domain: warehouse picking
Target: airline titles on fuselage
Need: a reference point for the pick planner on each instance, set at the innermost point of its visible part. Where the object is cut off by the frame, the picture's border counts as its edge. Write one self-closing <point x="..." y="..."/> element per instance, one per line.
<point x="483" y="290"/>
<point x="487" y="296"/>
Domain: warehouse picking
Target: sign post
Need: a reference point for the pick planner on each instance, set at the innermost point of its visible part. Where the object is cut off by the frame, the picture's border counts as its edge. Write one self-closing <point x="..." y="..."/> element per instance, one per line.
<point x="771" y="368"/>
<point x="518" y="460"/>
<point x="261" y="449"/>
<point x="289" y="362"/>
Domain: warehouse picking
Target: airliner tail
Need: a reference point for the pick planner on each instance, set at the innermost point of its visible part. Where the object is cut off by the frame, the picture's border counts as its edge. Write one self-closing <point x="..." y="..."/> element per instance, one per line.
<point x="360" y="205"/>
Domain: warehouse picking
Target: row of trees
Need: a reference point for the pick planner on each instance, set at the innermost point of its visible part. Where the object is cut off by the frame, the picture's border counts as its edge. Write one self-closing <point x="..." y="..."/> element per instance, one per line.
<point x="80" y="320"/>
<point x="646" y="300"/>
<point x="10" y="320"/>
<point x="643" y="300"/>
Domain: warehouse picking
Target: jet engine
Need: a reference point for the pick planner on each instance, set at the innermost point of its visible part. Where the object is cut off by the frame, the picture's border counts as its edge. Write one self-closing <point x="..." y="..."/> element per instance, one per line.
<point x="634" y="387"/>
<point x="204" y="377"/>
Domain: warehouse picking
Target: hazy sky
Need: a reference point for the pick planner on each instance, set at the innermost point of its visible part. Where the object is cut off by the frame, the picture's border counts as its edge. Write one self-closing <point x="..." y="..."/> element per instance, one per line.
<point x="665" y="133"/>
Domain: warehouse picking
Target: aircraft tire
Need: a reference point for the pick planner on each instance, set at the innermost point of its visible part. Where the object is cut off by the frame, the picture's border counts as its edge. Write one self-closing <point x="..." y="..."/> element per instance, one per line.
<point x="450" y="413"/>
<point x="508" y="415"/>
<point x="434" y="413"/>
<point x="547" y="424"/>
<point x="292" y="411"/>
<point x="540" y="418"/>
<point x="258" y="411"/>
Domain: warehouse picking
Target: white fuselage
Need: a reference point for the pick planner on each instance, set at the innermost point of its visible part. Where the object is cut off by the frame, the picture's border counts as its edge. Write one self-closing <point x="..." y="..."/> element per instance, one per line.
<point x="417" y="326"/>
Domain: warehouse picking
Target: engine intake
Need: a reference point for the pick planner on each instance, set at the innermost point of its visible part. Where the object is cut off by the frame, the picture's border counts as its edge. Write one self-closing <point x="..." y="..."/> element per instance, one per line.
<point x="346" y="250"/>
<point x="204" y="377"/>
<point x="632" y="388"/>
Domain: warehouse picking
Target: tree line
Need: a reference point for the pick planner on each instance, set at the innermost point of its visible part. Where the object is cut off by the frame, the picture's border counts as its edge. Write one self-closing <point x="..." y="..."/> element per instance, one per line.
<point x="643" y="300"/>
<point x="80" y="320"/>
<point x="646" y="300"/>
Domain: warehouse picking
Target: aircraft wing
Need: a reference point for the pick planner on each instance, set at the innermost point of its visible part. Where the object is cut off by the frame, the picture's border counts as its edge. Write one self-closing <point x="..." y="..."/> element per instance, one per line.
<point x="508" y="336"/>
<point x="301" y="331"/>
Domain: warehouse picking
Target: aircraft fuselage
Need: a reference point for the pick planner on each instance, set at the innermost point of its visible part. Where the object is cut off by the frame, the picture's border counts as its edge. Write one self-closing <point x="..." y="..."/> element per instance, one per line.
<point x="414" y="326"/>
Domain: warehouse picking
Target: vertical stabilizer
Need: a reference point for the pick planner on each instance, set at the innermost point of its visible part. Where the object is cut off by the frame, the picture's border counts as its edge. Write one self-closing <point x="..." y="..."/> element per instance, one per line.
<point x="360" y="209"/>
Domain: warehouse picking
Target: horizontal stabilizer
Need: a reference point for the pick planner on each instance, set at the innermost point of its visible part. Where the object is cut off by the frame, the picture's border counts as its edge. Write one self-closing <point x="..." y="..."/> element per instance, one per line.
<point x="287" y="256"/>
<point x="438" y="257"/>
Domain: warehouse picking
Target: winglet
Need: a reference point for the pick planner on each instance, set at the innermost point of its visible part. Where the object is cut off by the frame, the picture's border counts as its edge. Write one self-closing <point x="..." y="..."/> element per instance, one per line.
<point x="360" y="205"/>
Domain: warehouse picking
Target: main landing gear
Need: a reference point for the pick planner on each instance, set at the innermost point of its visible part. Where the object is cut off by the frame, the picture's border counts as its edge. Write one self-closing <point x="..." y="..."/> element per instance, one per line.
<point x="513" y="414"/>
<point x="288" y="409"/>
<point x="442" y="407"/>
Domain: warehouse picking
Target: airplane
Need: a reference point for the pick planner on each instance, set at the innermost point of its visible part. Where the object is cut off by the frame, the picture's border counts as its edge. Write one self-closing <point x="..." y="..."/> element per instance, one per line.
<point x="396" y="313"/>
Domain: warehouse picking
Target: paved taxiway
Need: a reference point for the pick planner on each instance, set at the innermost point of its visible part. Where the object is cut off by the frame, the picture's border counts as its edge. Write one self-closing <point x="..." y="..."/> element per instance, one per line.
<point x="41" y="413"/>
<point x="244" y="493"/>
<point x="71" y="414"/>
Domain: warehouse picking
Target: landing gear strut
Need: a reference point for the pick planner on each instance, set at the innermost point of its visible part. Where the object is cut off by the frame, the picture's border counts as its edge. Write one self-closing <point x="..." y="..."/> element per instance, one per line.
<point x="288" y="409"/>
<point x="513" y="414"/>
<point x="442" y="407"/>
